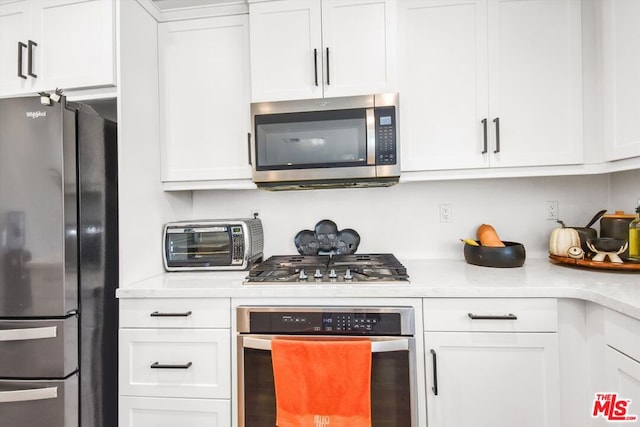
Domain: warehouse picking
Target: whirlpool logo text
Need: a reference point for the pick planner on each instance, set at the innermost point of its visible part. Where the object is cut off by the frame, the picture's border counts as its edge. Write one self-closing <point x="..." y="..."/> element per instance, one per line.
<point x="36" y="114"/>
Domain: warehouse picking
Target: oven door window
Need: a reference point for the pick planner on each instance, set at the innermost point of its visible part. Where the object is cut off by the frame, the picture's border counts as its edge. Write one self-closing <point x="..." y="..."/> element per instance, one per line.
<point x="390" y="389"/>
<point x="311" y="140"/>
<point x="199" y="248"/>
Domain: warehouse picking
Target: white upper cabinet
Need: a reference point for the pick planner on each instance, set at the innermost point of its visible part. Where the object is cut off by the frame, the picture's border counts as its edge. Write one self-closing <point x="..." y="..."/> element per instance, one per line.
<point x="621" y="62"/>
<point x="490" y="83"/>
<point x="49" y="44"/>
<point x="304" y="49"/>
<point x="204" y="99"/>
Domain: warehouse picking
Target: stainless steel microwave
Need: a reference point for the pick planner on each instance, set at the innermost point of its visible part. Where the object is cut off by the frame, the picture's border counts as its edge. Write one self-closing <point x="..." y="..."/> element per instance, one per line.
<point x="228" y="244"/>
<point x="330" y="142"/>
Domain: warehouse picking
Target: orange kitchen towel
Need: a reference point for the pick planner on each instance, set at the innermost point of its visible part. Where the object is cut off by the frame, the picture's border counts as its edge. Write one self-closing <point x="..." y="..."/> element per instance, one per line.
<point x="322" y="383"/>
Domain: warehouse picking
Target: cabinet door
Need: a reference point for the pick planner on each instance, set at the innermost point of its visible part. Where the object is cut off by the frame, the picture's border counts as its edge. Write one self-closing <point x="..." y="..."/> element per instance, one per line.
<point x="496" y="379"/>
<point x="443" y="83"/>
<point x="14" y="29"/>
<point x="535" y="81"/>
<point x="76" y="43"/>
<point x="286" y="50"/>
<point x="359" y="45"/>
<point x="156" y="412"/>
<point x="623" y="378"/>
<point x="204" y="99"/>
<point x="621" y="62"/>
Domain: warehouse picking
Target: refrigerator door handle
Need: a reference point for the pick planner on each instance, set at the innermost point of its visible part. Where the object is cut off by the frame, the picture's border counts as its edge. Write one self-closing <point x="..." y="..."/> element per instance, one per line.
<point x="30" y="394"/>
<point x="28" y="333"/>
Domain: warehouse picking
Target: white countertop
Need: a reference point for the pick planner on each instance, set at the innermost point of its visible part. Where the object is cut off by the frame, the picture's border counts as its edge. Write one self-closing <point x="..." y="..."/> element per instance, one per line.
<point x="433" y="278"/>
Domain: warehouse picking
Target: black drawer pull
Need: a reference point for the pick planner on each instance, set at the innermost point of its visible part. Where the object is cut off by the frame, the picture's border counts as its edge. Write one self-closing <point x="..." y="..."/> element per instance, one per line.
<point x="484" y="129"/>
<point x="497" y="122"/>
<point x="492" y="317"/>
<point x="157" y="365"/>
<point x="159" y="314"/>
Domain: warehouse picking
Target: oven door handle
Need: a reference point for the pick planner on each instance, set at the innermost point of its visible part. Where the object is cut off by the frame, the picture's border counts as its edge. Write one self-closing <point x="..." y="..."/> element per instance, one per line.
<point x="382" y="346"/>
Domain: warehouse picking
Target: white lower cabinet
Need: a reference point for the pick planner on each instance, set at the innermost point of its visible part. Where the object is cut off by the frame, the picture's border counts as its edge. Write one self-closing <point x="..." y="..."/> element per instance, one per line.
<point x="158" y="412"/>
<point x="175" y="362"/>
<point x="622" y="371"/>
<point x="488" y="365"/>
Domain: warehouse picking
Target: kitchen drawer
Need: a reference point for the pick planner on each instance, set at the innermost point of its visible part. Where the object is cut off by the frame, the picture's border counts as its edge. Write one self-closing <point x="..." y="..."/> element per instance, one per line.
<point x="29" y="402"/>
<point x="491" y="314"/>
<point x="622" y="333"/>
<point x="163" y="412"/>
<point x="175" y="362"/>
<point x="175" y="313"/>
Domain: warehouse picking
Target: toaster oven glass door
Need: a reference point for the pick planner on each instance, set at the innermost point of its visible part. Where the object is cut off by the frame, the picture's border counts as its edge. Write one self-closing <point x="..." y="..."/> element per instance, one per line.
<point x="308" y="140"/>
<point x="209" y="247"/>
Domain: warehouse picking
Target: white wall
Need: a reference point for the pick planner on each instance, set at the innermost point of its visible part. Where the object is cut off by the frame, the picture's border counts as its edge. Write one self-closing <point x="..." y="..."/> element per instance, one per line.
<point x="625" y="191"/>
<point x="405" y="220"/>
<point x="144" y="206"/>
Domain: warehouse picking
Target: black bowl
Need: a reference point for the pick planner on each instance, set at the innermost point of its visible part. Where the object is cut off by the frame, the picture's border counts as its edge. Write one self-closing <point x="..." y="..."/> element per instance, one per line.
<point x="512" y="255"/>
<point x="607" y="244"/>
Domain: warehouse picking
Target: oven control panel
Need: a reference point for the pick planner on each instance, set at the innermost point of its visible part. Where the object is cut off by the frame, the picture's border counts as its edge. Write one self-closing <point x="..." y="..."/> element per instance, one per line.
<point x="325" y="323"/>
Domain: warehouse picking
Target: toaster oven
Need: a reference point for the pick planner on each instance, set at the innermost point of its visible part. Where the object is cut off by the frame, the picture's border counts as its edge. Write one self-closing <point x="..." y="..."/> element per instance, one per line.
<point x="226" y="244"/>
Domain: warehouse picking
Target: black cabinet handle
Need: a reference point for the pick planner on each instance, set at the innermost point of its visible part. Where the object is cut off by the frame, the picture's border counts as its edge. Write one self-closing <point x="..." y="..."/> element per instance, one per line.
<point x="159" y="314"/>
<point x="509" y="316"/>
<point x="328" y="78"/>
<point x="30" y="58"/>
<point x="249" y="147"/>
<point x="20" y="47"/>
<point x="484" y="128"/>
<point x="497" y="122"/>
<point x="435" y="373"/>
<point x="315" y="66"/>
<point x="157" y="365"/>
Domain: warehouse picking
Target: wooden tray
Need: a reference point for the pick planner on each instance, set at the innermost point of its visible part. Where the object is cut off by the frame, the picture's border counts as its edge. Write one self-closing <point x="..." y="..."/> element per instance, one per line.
<point x="626" y="266"/>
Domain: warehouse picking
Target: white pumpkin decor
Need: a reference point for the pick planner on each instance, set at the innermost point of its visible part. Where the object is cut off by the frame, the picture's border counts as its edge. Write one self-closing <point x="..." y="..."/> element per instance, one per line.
<point x="563" y="238"/>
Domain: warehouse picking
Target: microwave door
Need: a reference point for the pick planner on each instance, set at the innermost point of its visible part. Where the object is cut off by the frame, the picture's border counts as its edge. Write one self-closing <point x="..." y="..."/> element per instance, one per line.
<point x="207" y="248"/>
<point x="315" y="145"/>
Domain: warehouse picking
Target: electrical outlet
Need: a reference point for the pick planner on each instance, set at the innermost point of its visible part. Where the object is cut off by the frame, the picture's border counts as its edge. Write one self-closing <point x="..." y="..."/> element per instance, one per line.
<point x="553" y="210"/>
<point x="446" y="212"/>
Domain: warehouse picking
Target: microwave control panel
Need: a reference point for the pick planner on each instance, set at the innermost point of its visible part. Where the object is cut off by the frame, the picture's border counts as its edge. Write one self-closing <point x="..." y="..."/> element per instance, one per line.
<point x="385" y="135"/>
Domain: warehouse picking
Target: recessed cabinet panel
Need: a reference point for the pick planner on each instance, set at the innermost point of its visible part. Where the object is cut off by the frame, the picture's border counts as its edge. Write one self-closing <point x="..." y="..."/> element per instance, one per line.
<point x="15" y="24"/>
<point x="496" y="379"/>
<point x="175" y="362"/>
<point x="490" y="83"/>
<point x="303" y="49"/>
<point x="159" y="412"/>
<point x="49" y="44"/>
<point x="621" y="62"/>
<point x="286" y="50"/>
<point x="76" y="43"/>
<point x="535" y="81"/>
<point x="204" y="99"/>
<point x="443" y="84"/>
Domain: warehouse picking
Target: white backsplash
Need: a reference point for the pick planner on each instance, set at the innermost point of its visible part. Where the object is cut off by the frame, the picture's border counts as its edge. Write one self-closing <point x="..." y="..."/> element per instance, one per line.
<point x="625" y="191"/>
<point x="405" y="219"/>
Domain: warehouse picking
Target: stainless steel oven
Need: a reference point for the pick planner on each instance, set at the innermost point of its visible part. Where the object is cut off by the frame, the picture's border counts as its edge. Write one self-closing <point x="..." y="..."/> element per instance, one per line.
<point x="393" y="358"/>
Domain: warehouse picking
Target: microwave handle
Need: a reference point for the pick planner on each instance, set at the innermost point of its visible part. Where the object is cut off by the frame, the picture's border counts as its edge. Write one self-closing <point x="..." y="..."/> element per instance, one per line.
<point x="394" y="344"/>
<point x="371" y="136"/>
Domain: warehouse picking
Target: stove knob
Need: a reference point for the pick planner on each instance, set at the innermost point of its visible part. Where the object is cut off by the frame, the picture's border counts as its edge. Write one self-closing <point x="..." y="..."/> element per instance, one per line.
<point x="302" y="275"/>
<point x="318" y="274"/>
<point x="348" y="275"/>
<point x="332" y="274"/>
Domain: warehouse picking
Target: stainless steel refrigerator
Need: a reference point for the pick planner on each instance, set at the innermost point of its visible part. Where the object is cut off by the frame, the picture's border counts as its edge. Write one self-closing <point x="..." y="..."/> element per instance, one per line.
<point x="58" y="265"/>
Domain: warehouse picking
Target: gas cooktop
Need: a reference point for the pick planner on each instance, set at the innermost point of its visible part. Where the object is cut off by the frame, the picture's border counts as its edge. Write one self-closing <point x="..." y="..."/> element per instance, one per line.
<point x="319" y="269"/>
